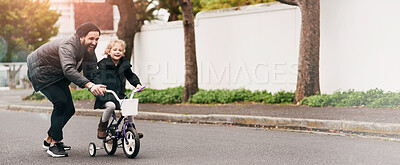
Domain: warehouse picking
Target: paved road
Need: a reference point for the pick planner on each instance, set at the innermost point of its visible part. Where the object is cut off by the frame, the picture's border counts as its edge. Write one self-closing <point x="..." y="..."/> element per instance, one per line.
<point x="176" y="143"/>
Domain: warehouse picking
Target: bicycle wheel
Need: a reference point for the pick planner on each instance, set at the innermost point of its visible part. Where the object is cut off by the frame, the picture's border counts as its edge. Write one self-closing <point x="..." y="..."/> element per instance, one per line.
<point x="92" y="149"/>
<point x="111" y="145"/>
<point x="131" y="148"/>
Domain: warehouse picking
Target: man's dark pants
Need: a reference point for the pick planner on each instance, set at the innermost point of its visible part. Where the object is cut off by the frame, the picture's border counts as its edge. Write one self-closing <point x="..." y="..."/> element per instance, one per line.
<point x="63" y="107"/>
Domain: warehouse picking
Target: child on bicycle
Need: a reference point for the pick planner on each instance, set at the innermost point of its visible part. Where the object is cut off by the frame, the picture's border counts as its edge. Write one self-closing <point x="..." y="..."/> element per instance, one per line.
<point x="111" y="72"/>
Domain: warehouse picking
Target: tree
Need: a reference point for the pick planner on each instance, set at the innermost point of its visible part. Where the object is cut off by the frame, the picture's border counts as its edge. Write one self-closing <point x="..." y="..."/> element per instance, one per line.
<point x="308" y="69"/>
<point x="133" y="14"/>
<point x="172" y="6"/>
<point x="174" y="10"/>
<point x="220" y="4"/>
<point x="25" y="25"/>
<point x="191" y="81"/>
<point x="132" y="17"/>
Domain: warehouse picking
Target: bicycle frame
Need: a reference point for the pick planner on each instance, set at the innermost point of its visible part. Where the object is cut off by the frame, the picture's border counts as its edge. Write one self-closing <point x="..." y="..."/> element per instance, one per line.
<point x="115" y="126"/>
<point x="126" y="122"/>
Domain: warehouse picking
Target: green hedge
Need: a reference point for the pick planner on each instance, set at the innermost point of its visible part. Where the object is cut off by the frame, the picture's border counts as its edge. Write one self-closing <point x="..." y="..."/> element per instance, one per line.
<point x="162" y="96"/>
<point x="239" y="95"/>
<point x="34" y="96"/>
<point x="174" y="96"/>
<point x="82" y="94"/>
<point x="374" y="98"/>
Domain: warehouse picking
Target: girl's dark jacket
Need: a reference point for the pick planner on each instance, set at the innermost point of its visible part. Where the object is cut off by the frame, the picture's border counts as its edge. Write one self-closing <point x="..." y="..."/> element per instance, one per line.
<point x="112" y="76"/>
<point x="59" y="59"/>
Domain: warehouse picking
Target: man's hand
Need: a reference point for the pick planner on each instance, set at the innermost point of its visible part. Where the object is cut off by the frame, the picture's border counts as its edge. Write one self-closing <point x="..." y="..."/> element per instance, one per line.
<point x="98" y="89"/>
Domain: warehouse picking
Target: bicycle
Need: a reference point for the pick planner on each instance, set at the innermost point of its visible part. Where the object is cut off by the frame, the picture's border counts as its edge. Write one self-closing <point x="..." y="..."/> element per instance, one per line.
<point x="130" y="138"/>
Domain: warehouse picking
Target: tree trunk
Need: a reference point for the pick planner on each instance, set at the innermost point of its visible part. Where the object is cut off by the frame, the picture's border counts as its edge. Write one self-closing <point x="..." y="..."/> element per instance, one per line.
<point x="308" y="73"/>
<point x="191" y="82"/>
<point x="128" y="26"/>
<point x="173" y="17"/>
<point x="308" y="69"/>
<point x="12" y="76"/>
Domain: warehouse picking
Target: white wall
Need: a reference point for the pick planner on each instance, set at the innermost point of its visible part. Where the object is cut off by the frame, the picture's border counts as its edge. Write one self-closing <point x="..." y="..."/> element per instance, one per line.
<point x="360" y="45"/>
<point x="159" y="55"/>
<point x="254" y="48"/>
<point x="257" y="48"/>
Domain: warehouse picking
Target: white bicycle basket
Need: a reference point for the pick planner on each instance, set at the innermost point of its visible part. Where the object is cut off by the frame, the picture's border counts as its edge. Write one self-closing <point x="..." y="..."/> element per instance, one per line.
<point x="129" y="107"/>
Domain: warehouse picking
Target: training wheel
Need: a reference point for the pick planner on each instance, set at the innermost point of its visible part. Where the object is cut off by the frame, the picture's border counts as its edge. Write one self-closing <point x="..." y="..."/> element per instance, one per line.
<point x="92" y="149"/>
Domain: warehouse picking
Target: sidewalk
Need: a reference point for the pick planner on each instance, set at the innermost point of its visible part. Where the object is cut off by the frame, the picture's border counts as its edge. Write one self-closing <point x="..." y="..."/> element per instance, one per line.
<point x="368" y="120"/>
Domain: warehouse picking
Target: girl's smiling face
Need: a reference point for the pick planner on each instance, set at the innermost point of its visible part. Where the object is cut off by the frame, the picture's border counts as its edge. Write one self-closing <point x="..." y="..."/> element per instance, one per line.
<point x="116" y="52"/>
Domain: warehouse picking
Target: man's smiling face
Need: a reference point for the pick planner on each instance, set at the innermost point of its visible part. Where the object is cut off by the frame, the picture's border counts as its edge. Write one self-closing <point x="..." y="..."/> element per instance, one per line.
<point x="90" y="41"/>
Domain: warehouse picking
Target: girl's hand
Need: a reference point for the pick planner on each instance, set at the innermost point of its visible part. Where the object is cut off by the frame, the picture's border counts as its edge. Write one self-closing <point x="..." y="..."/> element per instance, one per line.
<point x="138" y="87"/>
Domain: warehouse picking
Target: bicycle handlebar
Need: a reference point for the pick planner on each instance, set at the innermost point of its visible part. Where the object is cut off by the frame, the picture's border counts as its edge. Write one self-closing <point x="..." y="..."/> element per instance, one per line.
<point x="133" y="91"/>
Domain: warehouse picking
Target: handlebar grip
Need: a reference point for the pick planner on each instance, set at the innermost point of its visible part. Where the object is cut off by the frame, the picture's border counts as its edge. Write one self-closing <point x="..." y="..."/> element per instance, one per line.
<point x="141" y="88"/>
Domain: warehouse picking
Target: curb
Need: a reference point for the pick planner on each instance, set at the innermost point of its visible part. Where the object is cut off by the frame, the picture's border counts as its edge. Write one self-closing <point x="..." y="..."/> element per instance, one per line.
<point x="342" y="125"/>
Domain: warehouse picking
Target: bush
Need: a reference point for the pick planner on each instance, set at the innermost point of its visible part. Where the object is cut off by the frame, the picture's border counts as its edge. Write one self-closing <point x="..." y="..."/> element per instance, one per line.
<point x="374" y="98"/>
<point x="259" y="96"/>
<point x="238" y="95"/>
<point x="280" y="97"/>
<point x="35" y="96"/>
<point x="174" y="96"/>
<point x="316" y="101"/>
<point x="221" y="96"/>
<point x="81" y="94"/>
<point x="162" y="96"/>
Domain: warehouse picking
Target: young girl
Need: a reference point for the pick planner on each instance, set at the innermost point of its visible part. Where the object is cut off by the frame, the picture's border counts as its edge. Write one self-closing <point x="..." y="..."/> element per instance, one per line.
<point x="111" y="72"/>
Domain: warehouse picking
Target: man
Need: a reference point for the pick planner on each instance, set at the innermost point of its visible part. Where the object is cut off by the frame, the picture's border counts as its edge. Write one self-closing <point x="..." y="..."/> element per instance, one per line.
<point x="53" y="66"/>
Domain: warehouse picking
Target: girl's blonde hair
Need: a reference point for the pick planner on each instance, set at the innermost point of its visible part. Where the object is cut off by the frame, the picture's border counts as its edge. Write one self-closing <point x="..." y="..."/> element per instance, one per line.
<point x="111" y="44"/>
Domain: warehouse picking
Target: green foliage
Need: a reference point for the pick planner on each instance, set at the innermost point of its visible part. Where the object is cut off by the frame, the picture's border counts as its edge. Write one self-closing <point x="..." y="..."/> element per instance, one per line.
<point x="163" y="96"/>
<point x="374" y="98"/>
<point x="280" y="97"/>
<point x="220" y="4"/>
<point x="173" y="7"/>
<point x="174" y="96"/>
<point x="220" y="96"/>
<point x="35" y="96"/>
<point x="81" y="95"/>
<point x="3" y="47"/>
<point x="259" y="96"/>
<point x="144" y="10"/>
<point x="26" y="25"/>
<point x="239" y="95"/>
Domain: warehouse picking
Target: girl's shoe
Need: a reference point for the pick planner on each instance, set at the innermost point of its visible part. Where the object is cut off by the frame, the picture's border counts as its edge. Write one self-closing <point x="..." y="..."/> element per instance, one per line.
<point x="101" y="130"/>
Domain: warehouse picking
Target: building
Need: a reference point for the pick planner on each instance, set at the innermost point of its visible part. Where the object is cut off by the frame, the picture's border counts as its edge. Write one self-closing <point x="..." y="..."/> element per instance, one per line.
<point x="76" y="12"/>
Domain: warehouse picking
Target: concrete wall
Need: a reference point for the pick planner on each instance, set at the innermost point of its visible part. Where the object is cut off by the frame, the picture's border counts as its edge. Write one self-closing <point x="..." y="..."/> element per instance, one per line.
<point x="360" y="45"/>
<point x="254" y="48"/>
<point x="257" y="48"/>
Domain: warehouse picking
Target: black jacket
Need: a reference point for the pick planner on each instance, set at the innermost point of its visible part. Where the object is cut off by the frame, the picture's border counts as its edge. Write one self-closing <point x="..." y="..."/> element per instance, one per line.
<point x="58" y="59"/>
<point x="112" y="76"/>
